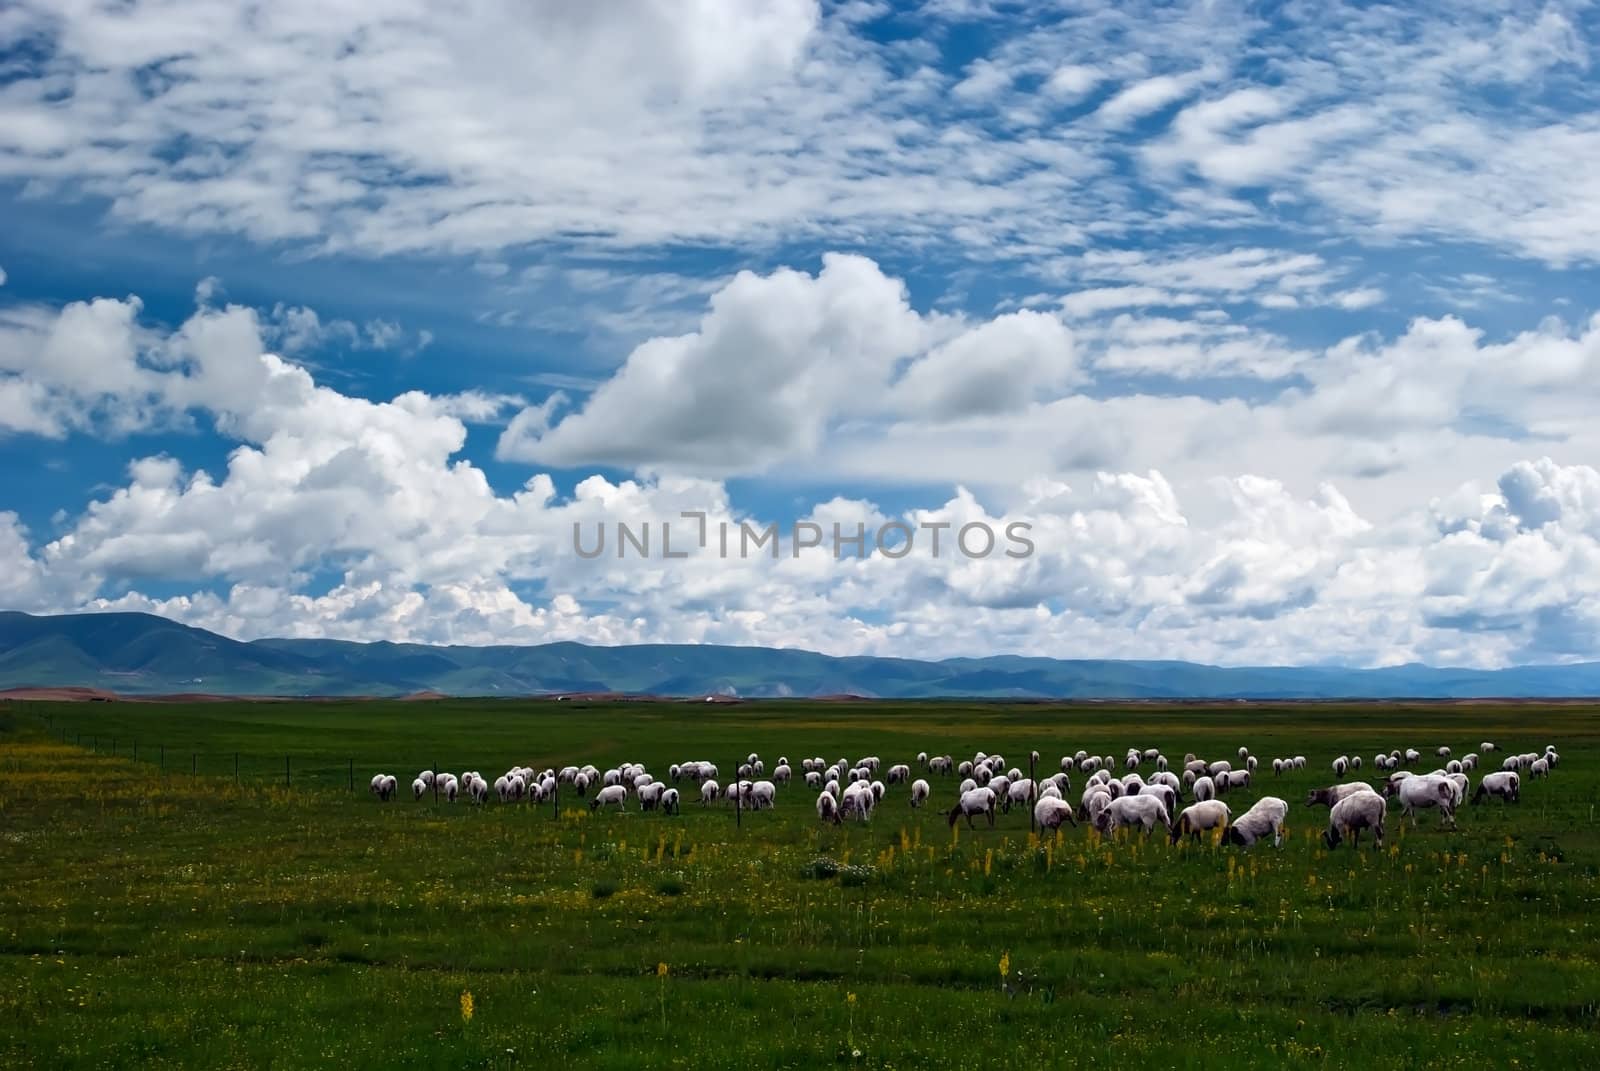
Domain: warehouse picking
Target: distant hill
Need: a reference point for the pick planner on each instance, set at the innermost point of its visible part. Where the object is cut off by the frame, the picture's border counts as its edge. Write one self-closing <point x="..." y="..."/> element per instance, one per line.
<point x="143" y="654"/>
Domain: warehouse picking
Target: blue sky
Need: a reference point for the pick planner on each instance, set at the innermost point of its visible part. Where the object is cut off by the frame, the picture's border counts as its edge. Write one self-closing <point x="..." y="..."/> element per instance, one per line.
<point x="1275" y="323"/>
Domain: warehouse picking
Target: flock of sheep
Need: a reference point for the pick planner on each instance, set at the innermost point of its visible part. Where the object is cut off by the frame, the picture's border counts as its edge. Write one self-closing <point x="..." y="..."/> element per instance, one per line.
<point x="853" y="790"/>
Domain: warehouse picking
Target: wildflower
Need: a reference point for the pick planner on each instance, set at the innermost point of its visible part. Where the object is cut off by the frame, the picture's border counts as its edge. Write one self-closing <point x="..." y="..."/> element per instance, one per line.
<point x="662" y="970"/>
<point x="849" y="998"/>
<point x="467" y="1006"/>
<point x="1005" y="965"/>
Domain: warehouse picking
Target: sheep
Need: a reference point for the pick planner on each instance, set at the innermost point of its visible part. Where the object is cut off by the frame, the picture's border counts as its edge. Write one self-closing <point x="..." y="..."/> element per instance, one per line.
<point x="1218" y="767"/>
<point x="1020" y="792"/>
<point x="1277" y="767"/>
<point x="1341" y="766"/>
<point x="1204" y="789"/>
<point x="1412" y="754"/>
<point x="1443" y="752"/>
<point x="1355" y="762"/>
<point x="1244" y="753"/>
<point x="1250" y="764"/>
<point x="1348" y="817"/>
<point x="878" y="790"/>
<point x="762" y="795"/>
<point x="977" y="801"/>
<point x="1198" y="818"/>
<point x="1503" y="784"/>
<point x="781" y="773"/>
<point x="919" y="792"/>
<point x="858" y="802"/>
<point x="1229" y="780"/>
<point x="1331" y="795"/>
<point x="709" y="791"/>
<point x="451" y="788"/>
<point x="1539" y="768"/>
<point x="897" y="773"/>
<point x="1051" y="811"/>
<point x="418" y="787"/>
<point x="609" y="796"/>
<point x="1422" y="791"/>
<point x="828" y="809"/>
<point x="1299" y="762"/>
<point x="383" y="786"/>
<point x="1265" y="816"/>
<point x="1486" y="747"/>
<point x="649" y="796"/>
<point x="1165" y="793"/>
<point x="671" y="802"/>
<point x="1146" y="812"/>
<point x="426" y="777"/>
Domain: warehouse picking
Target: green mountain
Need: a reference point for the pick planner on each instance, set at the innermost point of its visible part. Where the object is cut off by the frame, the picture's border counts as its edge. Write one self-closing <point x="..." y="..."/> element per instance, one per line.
<point x="143" y="654"/>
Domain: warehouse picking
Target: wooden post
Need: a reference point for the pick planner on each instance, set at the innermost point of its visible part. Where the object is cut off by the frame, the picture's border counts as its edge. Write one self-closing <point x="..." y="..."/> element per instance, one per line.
<point x="1033" y="775"/>
<point x="352" y="775"/>
<point x="556" y="796"/>
<point x="738" y="796"/>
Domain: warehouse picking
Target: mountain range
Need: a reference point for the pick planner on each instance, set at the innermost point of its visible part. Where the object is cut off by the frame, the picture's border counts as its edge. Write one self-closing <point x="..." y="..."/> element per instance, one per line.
<point x="141" y="654"/>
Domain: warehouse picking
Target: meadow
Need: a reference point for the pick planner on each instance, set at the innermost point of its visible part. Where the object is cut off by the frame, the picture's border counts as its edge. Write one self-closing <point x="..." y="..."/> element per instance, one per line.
<point x="164" y="912"/>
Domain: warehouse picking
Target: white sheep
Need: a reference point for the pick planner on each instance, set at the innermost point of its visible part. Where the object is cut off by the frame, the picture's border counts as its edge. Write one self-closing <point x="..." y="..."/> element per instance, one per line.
<point x="709" y="791"/>
<point x="897" y="773"/>
<point x="650" y="795"/>
<point x="1341" y="766"/>
<point x="1503" y="784"/>
<point x="418" y="787"/>
<point x="1145" y="812"/>
<point x="1422" y="791"/>
<point x="1264" y="817"/>
<point x="1331" y="795"/>
<point x="671" y="802"/>
<point x="976" y="801"/>
<point x="609" y="796"/>
<point x="1348" y="817"/>
<point x="827" y="809"/>
<point x="919" y="792"/>
<point x="1204" y="788"/>
<point x="1539" y="768"/>
<point x="1051" y="811"/>
<point x="1198" y="818"/>
<point x="1020" y="793"/>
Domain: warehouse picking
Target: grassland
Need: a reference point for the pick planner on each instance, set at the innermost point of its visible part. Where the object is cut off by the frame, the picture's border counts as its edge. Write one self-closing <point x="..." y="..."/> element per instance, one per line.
<point x="150" y="917"/>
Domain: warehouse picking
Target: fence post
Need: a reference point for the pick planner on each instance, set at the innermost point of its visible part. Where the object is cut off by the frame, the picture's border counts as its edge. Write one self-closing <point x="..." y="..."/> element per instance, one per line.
<point x="352" y="775"/>
<point x="738" y="796"/>
<point x="556" y="795"/>
<point x="1033" y="776"/>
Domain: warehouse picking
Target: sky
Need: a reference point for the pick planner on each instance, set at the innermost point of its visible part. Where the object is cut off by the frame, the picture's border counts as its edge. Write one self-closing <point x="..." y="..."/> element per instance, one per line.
<point x="1275" y="324"/>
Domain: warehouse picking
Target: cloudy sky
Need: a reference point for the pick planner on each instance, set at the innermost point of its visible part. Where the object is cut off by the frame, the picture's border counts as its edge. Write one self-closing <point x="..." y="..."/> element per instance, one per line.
<point x="1276" y="322"/>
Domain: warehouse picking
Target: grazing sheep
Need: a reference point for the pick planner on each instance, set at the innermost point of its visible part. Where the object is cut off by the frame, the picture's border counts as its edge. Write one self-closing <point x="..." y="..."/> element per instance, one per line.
<point x="1145" y="812"/>
<point x="451" y="789"/>
<point x="650" y="796"/>
<point x="828" y="809"/>
<point x="1277" y="767"/>
<point x="609" y="796"/>
<point x="977" y="801"/>
<point x="897" y="773"/>
<point x="1165" y="793"/>
<point x="1348" y="817"/>
<point x="1341" y="766"/>
<point x="1228" y="780"/>
<point x="1198" y="818"/>
<point x="877" y="789"/>
<point x="762" y="795"/>
<point x="1331" y="795"/>
<point x="858" y="802"/>
<point x="1050" y="812"/>
<point x="418" y="787"/>
<point x="1504" y="785"/>
<point x="1486" y="747"/>
<point x="1355" y="762"/>
<point x="1423" y="791"/>
<point x="919" y="792"/>
<point x="1299" y="762"/>
<point x="1204" y="788"/>
<point x="1539" y="768"/>
<point x="709" y="791"/>
<point x="781" y="773"/>
<point x="1264" y="817"/>
<point x="1443" y="752"/>
<point x="1412" y="754"/>
<point x="1219" y="766"/>
<point x="1020" y="792"/>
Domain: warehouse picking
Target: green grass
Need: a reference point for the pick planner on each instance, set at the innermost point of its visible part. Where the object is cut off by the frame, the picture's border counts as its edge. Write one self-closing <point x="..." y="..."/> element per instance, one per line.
<point x="153" y="918"/>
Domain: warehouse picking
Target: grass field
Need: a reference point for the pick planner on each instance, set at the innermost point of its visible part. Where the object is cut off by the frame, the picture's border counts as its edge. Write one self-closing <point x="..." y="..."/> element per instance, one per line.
<point x="150" y="917"/>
